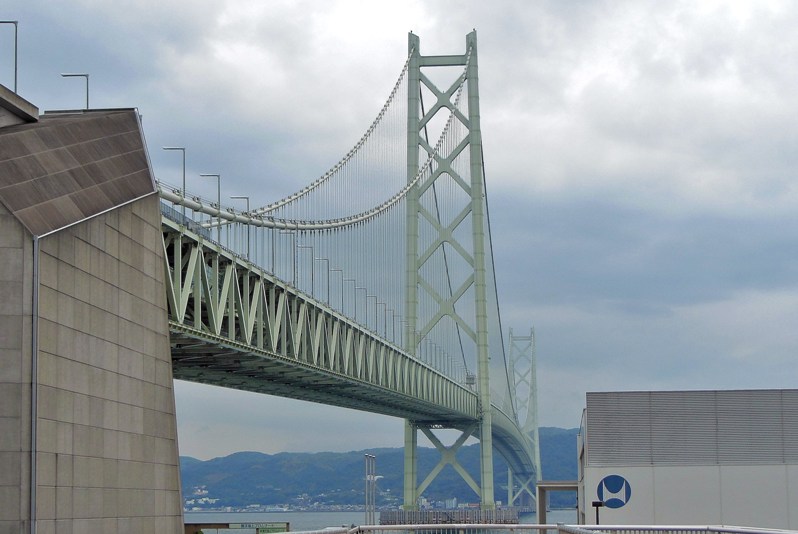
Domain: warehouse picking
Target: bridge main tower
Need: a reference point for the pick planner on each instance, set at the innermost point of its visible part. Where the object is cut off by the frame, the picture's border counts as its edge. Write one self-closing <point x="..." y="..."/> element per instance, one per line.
<point x="523" y="363"/>
<point x="457" y="305"/>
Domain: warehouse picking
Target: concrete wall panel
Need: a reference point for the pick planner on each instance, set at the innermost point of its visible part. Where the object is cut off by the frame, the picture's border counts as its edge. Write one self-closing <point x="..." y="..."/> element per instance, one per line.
<point x="755" y="496"/>
<point x="15" y="349"/>
<point x="107" y="430"/>
<point x="739" y="487"/>
<point x="676" y="492"/>
<point x="792" y="495"/>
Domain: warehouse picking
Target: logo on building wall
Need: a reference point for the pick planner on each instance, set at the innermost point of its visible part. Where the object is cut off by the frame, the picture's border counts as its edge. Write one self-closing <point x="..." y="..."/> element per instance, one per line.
<point x="614" y="491"/>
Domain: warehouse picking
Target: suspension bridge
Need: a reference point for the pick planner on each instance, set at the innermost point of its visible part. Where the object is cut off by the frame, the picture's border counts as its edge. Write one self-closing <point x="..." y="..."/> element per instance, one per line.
<point x="371" y="288"/>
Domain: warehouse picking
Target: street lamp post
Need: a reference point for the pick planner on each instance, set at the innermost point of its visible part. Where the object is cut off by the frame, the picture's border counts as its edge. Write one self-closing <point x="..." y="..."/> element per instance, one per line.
<point x="244" y="197"/>
<point x="218" y="205"/>
<point x="271" y="236"/>
<point x="16" y="27"/>
<point x="375" y="310"/>
<point x="365" y="292"/>
<point x="342" y="286"/>
<point x="404" y="334"/>
<point x="354" y="294"/>
<point x="327" y="262"/>
<point x="393" y="324"/>
<point x="371" y="488"/>
<point x="293" y="253"/>
<point x="183" y="150"/>
<point x="312" y="282"/>
<point x="384" y="318"/>
<point x="597" y="505"/>
<point x="79" y="75"/>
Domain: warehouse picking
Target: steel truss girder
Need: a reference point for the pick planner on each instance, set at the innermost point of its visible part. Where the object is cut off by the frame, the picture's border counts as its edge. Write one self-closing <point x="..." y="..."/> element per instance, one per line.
<point x="236" y="326"/>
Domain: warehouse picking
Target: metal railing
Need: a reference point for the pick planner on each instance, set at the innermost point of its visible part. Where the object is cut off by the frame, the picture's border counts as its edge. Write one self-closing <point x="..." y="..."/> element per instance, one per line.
<point x="667" y="529"/>
<point x="468" y="528"/>
<point x="173" y="215"/>
<point x="505" y="516"/>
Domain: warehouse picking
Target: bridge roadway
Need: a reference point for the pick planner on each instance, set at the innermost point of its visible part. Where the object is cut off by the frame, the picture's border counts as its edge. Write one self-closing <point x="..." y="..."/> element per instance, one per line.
<point x="237" y="326"/>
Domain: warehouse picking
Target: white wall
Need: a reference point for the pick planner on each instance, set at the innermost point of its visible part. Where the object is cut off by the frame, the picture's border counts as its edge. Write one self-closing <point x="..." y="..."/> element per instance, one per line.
<point x="754" y="496"/>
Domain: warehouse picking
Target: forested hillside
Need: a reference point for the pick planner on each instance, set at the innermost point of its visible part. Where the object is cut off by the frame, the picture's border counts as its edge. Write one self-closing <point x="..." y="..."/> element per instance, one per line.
<point x="327" y="479"/>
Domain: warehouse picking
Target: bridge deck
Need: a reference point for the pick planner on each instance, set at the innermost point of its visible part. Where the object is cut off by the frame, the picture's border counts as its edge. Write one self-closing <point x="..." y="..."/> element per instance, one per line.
<point x="196" y="357"/>
<point x="237" y="326"/>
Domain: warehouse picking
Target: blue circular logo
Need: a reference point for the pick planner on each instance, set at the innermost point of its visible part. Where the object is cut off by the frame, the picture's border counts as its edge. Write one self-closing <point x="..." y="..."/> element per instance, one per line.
<point x="614" y="491"/>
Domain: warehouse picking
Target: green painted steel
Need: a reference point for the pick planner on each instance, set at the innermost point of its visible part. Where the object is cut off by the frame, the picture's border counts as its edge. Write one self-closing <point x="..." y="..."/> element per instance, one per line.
<point x="524" y="372"/>
<point x="478" y="225"/>
<point x="417" y="257"/>
<point x="236" y="326"/>
<point x="410" y="484"/>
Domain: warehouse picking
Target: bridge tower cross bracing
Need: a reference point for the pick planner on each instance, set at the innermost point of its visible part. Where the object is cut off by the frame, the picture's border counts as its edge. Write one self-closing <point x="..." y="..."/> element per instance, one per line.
<point x="523" y="362"/>
<point x="417" y="121"/>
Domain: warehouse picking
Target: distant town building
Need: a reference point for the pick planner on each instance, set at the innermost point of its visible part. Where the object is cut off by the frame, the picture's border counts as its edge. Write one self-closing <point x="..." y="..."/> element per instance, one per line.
<point x="690" y="457"/>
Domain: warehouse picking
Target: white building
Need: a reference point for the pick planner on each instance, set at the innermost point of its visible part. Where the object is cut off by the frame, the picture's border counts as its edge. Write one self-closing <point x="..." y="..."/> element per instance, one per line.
<point x="690" y="457"/>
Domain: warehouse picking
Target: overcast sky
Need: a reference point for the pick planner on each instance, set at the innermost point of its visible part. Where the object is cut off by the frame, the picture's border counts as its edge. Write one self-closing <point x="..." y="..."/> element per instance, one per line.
<point x="641" y="165"/>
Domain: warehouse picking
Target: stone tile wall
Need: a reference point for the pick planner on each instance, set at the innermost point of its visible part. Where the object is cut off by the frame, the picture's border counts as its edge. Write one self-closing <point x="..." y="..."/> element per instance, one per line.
<point x="15" y="349"/>
<point x="107" y="438"/>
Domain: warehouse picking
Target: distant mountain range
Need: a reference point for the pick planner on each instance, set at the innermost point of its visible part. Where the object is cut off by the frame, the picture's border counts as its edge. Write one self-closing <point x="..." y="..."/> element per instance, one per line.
<point x="327" y="480"/>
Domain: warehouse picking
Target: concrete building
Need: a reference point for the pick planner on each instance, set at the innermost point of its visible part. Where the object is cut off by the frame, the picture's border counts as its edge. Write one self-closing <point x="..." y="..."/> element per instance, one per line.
<point x="88" y="437"/>
<point x="690" y="457"/>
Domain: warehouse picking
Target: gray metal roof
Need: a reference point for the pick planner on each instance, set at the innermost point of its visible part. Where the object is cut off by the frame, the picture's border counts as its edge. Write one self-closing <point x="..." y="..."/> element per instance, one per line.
<point x="727" y="427"/>
<point x="70" y="166"/>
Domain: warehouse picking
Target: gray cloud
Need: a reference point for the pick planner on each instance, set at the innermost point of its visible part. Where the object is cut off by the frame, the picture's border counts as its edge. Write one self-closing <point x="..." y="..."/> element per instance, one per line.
<point x="640" y="164"/>
<point x="588" y="251"/>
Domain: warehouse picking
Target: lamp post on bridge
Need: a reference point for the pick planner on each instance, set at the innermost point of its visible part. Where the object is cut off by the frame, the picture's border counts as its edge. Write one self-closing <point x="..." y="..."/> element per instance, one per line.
<point x="402" y="329"/>
<point x="384" y="319"/>
<point x="427" y="344"/>
<point x="183" y="150"/>
<point x="342" y="286"/>
<point x="393" y="324"/>
<point x="218" y="205"/>
<point x="293" y="254"/>
<point x="327" y="262"/>
<point x="79" y="75"/>
<point x="366" y="302"/>
<point x="312" y="256"/>
<point x="354" y="295"/>
<point x="16" y="28"/>
<point x="432" y="354"/>
<point x="244" y="197"/>
<point x="375" y="310"/>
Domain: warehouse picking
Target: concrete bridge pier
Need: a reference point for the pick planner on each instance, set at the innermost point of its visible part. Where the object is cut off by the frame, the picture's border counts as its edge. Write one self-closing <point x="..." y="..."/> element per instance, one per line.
<point x="88" y="439"/>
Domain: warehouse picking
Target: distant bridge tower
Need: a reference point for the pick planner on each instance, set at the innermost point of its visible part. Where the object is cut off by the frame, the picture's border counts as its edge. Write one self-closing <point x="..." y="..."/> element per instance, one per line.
<point x="523" y="362"/>
<point x="462" y="306"/>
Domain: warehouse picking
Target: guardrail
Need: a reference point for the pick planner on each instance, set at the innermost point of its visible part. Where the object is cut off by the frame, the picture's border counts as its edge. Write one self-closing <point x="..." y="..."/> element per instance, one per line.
<point x="468" y="528"/>
<point x="498" y="516"/>
<point x="667" y="529"/>
<point x="173" y="215"/>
